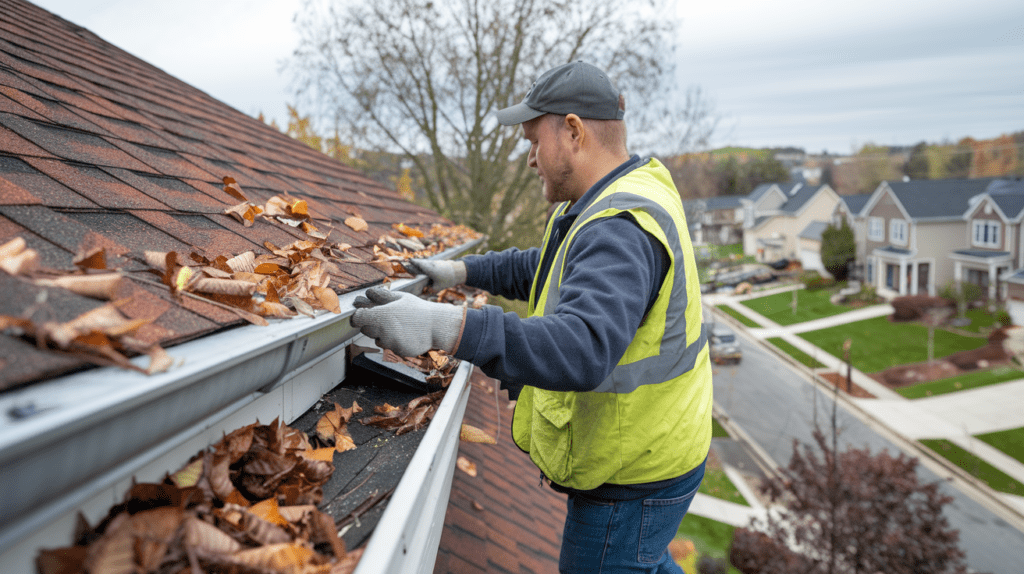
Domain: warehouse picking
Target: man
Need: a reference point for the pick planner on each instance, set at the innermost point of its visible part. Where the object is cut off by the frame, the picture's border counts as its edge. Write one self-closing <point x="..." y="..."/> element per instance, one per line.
<point x="611" y="368"/>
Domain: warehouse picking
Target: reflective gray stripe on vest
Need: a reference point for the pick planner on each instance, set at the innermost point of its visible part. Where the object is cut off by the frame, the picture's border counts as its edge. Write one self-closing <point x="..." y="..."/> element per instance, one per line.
<point x="675" y="357"/>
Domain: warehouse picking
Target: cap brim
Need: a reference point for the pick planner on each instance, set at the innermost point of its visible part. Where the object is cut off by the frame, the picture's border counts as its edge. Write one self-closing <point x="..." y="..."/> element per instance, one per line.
<point x="517" y="114"/>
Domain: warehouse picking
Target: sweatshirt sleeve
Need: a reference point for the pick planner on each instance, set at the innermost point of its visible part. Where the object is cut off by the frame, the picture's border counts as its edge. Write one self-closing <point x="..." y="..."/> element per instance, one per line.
<point x="507" y="273"/>
<point x="611" y="270"/>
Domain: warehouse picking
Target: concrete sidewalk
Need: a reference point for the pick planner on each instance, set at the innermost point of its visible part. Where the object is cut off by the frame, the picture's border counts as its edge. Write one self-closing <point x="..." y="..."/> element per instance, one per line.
<point x="956" y="417"/>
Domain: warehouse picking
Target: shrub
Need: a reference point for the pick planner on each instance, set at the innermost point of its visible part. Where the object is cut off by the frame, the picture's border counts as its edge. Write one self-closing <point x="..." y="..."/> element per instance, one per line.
<point x="915" y="307"/>
<point x="814" y="281"/>
<point x="1002" y="317"/>
<point x="710" y="565"/>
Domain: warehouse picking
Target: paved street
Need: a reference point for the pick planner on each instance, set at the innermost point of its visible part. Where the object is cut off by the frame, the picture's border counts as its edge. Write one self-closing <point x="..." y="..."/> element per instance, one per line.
<point x="775" y="404"/>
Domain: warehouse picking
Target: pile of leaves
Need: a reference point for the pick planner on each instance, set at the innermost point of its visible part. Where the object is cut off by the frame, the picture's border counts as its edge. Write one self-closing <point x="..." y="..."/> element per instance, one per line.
<point x="246" y="505"/>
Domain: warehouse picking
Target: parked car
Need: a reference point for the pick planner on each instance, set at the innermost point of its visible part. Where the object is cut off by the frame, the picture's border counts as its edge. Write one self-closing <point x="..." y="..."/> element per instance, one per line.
<point x="725" y="347"/>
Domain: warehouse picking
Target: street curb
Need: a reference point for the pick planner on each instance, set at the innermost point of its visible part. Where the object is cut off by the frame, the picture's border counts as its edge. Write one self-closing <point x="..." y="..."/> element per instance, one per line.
<point x="980" y="491"/>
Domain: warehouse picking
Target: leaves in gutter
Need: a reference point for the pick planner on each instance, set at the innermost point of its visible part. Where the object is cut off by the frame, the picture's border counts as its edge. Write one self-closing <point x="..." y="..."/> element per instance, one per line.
<point x="246" y="504"/>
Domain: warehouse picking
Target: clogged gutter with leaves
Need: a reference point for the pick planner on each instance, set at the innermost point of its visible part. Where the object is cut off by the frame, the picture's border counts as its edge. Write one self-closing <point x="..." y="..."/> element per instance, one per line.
<point x="248" y="503"/>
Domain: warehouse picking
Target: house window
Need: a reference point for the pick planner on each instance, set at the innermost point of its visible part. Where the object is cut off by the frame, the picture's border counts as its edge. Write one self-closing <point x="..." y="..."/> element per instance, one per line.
<point x="922" y="277"/>
<point x="898" y="231"/>
<point x="986" y="233"/>
<point x="876" y="229"/>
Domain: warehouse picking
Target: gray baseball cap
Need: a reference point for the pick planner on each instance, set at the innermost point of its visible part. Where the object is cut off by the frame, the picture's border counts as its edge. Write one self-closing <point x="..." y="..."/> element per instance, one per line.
<point x="575" y="88"/>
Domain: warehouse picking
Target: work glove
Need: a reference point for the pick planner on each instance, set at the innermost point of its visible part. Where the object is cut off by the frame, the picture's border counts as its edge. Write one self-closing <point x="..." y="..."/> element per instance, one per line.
<point x="442" y="273"/>
<point x="407" y="324"/>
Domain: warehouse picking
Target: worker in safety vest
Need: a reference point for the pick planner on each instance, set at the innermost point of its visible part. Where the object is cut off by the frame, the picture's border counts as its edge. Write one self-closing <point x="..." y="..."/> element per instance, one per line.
<point x="611" y="368"/>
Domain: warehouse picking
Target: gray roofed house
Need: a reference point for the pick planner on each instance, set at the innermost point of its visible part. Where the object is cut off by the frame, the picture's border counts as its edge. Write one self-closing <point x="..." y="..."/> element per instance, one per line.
<point x="814" y="230"/>
<point x="776" y="214"/>
<point x="923" y="234"/>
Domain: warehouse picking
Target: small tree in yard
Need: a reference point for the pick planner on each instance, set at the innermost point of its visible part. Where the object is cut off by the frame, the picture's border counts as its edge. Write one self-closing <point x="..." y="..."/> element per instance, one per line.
<point x="838" y="248"/>
<point x="849" y="512"/>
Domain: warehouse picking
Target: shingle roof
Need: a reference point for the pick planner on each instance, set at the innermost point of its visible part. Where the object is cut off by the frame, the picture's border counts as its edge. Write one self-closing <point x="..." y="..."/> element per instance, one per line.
<point x="814" y="230"/>
<point x="100" y="149"/>
<point x="1008" y="194"/>
<point x="937" y="198"/>
<point x="723" y="202"/>
<point x="799" y="195"/>
<point x="854" y="203"/>
<point x="503" y="519"/>
<point x="760" y="190"/>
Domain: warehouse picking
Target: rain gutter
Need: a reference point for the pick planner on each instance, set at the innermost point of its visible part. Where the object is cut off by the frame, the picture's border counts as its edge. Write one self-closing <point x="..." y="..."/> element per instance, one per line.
<point x="76" y="443"/>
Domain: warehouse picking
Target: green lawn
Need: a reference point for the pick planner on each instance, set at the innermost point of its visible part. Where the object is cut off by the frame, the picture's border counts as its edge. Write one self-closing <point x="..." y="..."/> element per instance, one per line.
<point x="879" y="344"/>
<point x="1009" y="441"/>
<point x="738" y="316"/>
<point x="980" y="319"/>
<point x="990" y="475"/>
<point x="717" y="484"/>
<point x="710" y="538"/>
<point x="810" y="305"/>
<point x="797" y="354"/>
<point x="966" y="381"/>
<point x="717" y="430"/>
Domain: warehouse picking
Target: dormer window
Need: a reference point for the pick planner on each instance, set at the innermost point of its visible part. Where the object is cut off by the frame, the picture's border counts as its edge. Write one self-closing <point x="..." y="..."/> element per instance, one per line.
<point x="876" y="229"/>
<point x="898" y="231"/>
<point x="985" y="233"/>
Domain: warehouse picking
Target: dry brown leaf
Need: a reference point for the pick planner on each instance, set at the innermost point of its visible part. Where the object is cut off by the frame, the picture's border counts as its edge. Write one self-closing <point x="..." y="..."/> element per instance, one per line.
<point x="477" y="506"/>
<point x="92" y="259"/>
<point x="290" y="558"/>
<point x="333" y="427"/>
<point x="204" y="536"/>
<point x="270" y="309"/>
<point x="99" y="286"/>
<point x="466" y="466"/>
<point x="232" y="188"/>
<point x="470" y="433"/>
<point x="243" y="262"/>
<point x="245" y="213"/>
<point x="223" y="286"/>
<point x="189" y="474"/>
<point x="267" y="510"/>
<point x="16" y="258"/>
<point x="115" y="551"/>
<point x="323" y="454"/>
<point x="159" y="360"/>
<point x="328" y="298"/>
<point x="299" y="208"/>
<point x="268" y="269"/>
<point x="408" y="231"/>
<point x="357" y="223"/>
<point x="105" y="319"/>
<point x="62" y="560"/>
<point x="154" y="532"/>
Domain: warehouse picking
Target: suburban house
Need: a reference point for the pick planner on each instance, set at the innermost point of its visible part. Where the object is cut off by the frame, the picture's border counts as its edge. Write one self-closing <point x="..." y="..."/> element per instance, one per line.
<point x="719" y="220"/>
<point x="786" y="220"/>
<point x="924" y="234"/>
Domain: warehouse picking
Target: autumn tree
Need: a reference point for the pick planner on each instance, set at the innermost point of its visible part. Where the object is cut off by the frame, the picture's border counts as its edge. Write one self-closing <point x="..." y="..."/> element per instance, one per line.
<point x="849" y="512"/>
<point x="423" y="79"/>
<point x="838" y="248"/>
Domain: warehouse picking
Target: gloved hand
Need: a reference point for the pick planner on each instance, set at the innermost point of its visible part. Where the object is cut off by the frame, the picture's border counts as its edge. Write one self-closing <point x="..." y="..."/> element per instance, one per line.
<point x="442" y="273"/>
<point x="407" y="324"/>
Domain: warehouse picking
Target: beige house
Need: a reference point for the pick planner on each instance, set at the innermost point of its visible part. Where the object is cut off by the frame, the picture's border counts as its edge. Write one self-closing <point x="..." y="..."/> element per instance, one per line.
<point x="921" y="235"/>
<point x="779" y="214"/>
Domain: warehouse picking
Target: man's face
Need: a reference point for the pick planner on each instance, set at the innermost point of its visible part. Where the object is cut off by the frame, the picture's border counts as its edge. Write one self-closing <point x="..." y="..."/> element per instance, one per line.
<point x="550" y="158"/>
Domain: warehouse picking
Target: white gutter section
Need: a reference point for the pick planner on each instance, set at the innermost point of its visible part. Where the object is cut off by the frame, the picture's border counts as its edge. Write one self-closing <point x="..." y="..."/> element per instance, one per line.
<point x="76" y="443"/>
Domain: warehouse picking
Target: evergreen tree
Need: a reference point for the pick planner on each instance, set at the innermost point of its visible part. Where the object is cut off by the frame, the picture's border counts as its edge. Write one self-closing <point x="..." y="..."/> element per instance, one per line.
<point x="838" y="248"/>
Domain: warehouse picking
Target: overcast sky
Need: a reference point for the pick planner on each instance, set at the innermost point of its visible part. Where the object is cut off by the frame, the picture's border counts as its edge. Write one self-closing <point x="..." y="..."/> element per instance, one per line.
<point x="814" y="74"/>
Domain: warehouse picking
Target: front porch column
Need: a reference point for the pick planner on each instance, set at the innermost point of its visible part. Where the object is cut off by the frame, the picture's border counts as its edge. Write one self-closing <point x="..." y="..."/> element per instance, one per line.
<point x="958" y="273"/>
<point x="903" y="278"/>
<point x="993" y="279"/>
<point x="913" y="279"/>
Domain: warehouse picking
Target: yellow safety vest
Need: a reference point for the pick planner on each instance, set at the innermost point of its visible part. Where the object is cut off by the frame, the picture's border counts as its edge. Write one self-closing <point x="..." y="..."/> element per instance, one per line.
<point x="650" y="420"/>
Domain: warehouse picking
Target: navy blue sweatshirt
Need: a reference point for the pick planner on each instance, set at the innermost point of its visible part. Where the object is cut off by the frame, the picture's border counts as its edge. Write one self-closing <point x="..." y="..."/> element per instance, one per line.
<point x="613" y="272"/>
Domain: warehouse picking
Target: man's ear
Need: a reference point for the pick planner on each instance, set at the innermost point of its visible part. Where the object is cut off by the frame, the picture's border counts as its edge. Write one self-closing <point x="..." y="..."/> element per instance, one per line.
<point x="577" y="133"/>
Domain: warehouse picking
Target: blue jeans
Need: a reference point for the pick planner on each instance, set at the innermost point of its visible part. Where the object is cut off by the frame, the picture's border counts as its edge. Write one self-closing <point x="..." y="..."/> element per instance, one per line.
<point x="611" y="536"/>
